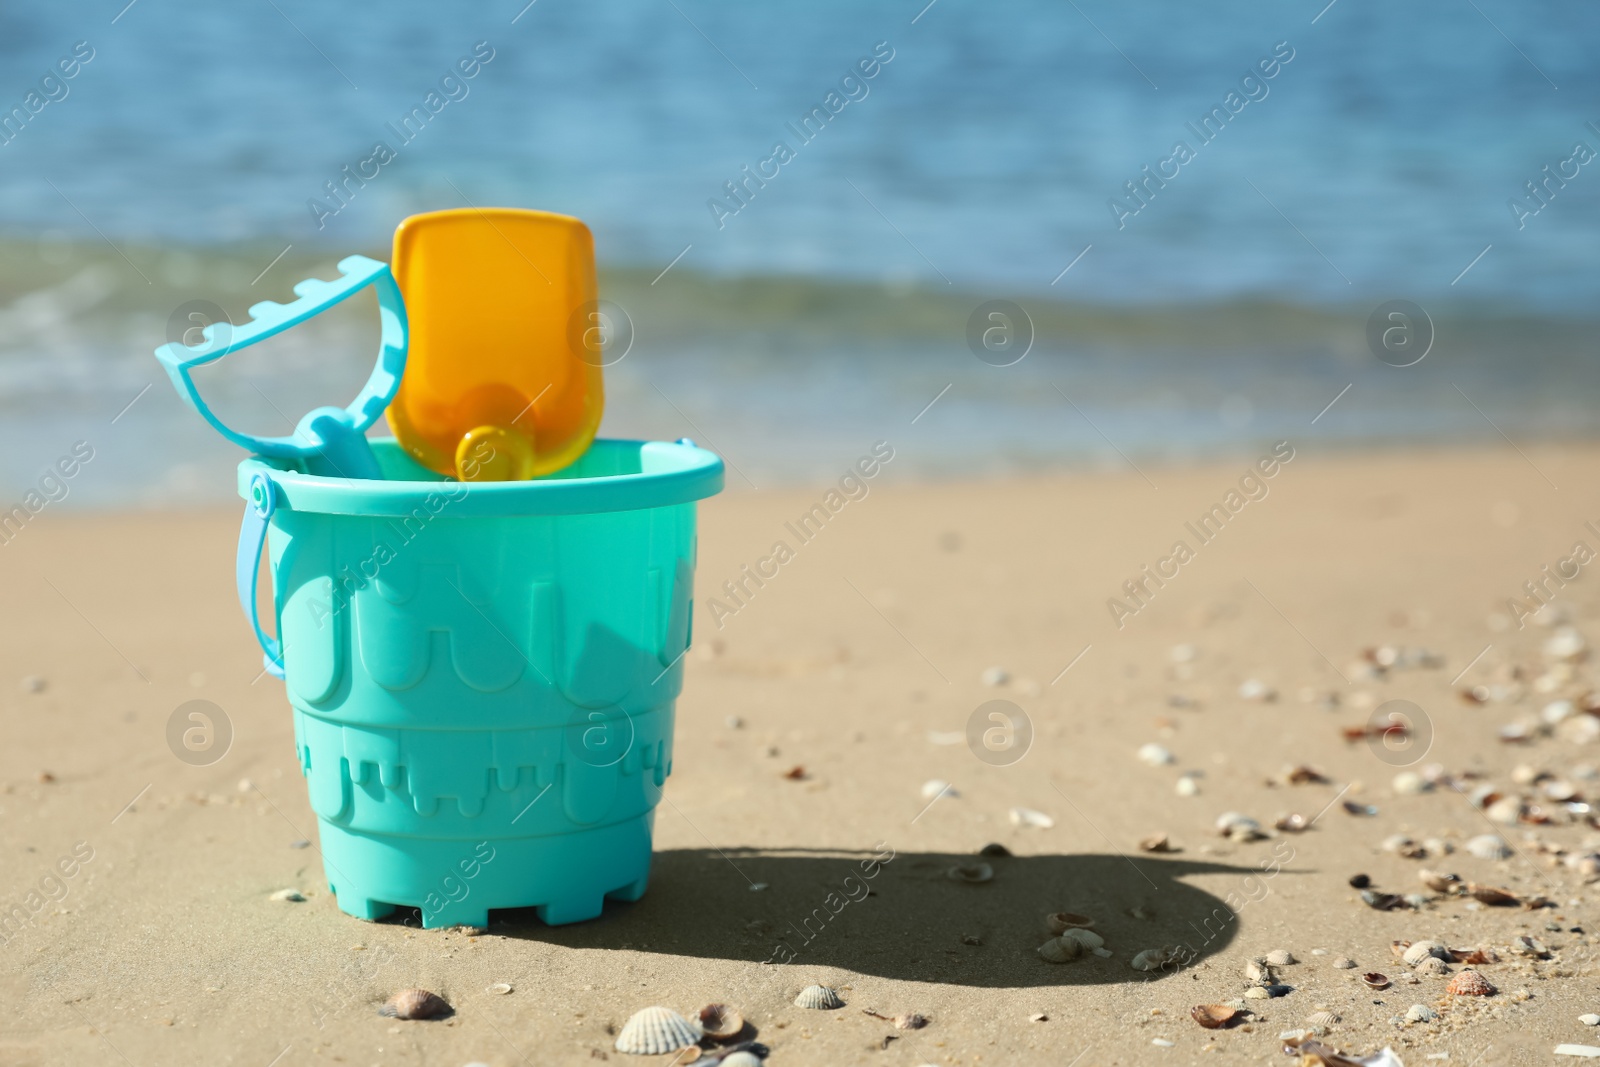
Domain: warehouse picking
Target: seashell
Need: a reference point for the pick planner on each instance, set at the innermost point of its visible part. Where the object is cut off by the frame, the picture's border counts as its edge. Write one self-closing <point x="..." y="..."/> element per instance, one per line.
<point x="1155" y="755"/>
<point x="502" y="988"/>
<point x="1257" y="690"/>
<point x="1084" y="938"/>
<point x="1230" y="823"/>
<point x="1257" y="992"/>
<point x="1322" y="1018"/>
<point x="1344" y="963"/>
<point x="1213" y="1016"/>
<point x="1280" y="957"/>
<point x="1256" y="970"/>
<point x="820" y="997"/>
<point x="1409" y="784"/>
<point x="1292" y="823"/>
<point x="414" y="1004"/>
<point x="1188" y="786"/>
<point x="742" y="1058"/>
<point x="995" y="677"/>
<point x="1523" y="945"/>
<point x="1029" y="817"/>
<point x="1375" y="980"/>
<point x="909" y="1020"/>
<point x="1590" y="1019"/>
<point x="1439" y="883"/>
<point x="1151" y="959"/>
<point x="293" y="896"/>
<point x="1402" y="845"/>
<point x="1488" y="894"/>
<point x="1489" y="847"/>
<point x="934" y="788"/>
<point x="994" y="848"/>
<point x="1474" y="955"/>
<point x="1421" y="950"/>
<point x="1060" y="950"/>
<point x="1382" y="901"/>
<point x="970" y="873"/>
<point x="1156" y="843"/>
<point x="1066" y="920"/>
<point x="1470" y="984"/>
<point x="655" y="1030"/>
<point x="720" y="1021"/>
<point x="1420" y="1013"/>
<point x="1432" y="967"/>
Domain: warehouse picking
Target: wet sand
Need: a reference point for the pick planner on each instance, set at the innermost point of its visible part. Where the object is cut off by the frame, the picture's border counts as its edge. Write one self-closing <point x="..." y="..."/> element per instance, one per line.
<point x="862" y="662"/>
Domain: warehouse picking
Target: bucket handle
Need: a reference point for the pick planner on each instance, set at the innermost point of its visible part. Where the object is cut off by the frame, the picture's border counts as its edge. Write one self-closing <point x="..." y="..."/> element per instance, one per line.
<point x="258" y="512"/>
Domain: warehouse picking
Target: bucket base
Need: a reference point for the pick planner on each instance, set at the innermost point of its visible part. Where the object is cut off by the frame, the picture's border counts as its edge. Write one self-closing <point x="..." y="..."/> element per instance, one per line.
<point x="566" y="878"/>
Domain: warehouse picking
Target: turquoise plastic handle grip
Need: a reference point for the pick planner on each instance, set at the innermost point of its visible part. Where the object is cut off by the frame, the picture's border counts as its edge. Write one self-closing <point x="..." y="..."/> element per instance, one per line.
<point x="247" y="572"/>
<point x="329" y="441"/>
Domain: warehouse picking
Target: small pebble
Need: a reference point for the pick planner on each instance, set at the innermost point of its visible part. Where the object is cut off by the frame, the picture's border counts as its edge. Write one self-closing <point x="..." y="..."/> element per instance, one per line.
<point x="1162" y="1042"/>
<point x="300" y="844"/>
<point x="1360" y="881"/>
<point x="935" y="787"/>
<point x="734" y="722"/>
<point x="293" y="896"/>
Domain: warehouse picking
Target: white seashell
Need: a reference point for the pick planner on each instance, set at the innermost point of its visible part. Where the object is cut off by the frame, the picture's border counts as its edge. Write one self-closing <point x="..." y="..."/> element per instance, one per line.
<point x="1345" y="963"/>
<point x="1507" y="811"/>
<point x="1256" y="992"/>
<point x="1151" y="959"/>
<point x="1256" y="970"/>
<point x="293" y="896"/>
<point x="1029" y="817"/>
<point x="934" y="787"/>
<point x="1188" y="786"/>
<point x="1432" y="967"/>
<point x="1437" y="846"/>
<point x="819" y="997"/>
<point x="743" y="1058"/>
<point x="1421" y="950"/>
<point x="1256" y="689"/>
<point x="1420" y="1013"/>
<point x="1182" y="653"/>
<point x="1588" y="1052"/>
<point x="1084" y="938"/>
<point x="1582" y="730"/>
<point x="1489" y="847"/>
<point x="1399" y="843"/>
<point x="1565" y="644"/>
<point x="1155" y="755"/>
<point x="1557" y="711"/>
<point x="1281" y="957"/>
<point x="1589" y="1020"/>
<point x="1322" y="1018"/>
<point x="1409" y="784"/>
<point x="655" y="1030"/>
<point x="501" y="988"/>
<point x="995" y="676"/>
<point x="1060" y="950"/>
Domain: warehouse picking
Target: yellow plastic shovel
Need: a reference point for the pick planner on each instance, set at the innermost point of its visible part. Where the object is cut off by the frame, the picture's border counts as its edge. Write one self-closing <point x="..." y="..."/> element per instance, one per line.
<point x="503" y="380"/>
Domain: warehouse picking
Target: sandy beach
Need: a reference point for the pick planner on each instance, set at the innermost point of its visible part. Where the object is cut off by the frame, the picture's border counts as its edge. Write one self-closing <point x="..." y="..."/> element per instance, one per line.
<point x="796" y="843"/>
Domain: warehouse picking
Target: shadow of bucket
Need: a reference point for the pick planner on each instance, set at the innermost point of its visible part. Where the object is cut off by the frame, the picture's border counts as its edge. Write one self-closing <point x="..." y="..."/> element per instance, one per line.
<point x="483" y="674"/>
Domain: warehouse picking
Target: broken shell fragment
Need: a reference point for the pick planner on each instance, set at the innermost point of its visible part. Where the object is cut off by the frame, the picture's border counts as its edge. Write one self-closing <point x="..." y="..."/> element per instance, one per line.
<point x="1382" y="901"/>
<point x="1152" y="959"/>
<point x="1523" y="945"/>
<point x="1156" y="843"/>
<point x="1490" y="895"/>
<point x="934" y="788"/>
<point x="720" y="1021"/>
<point x="820" y="997"/>
<point x="1439" y="883"/>
<point x="414" y="1004"/>
<point x="1420" y="1013"/>
<point x="970" y="873"/>
<point x="1375" y="980"/>
<point x="1470" y="984"/>
<point x="1029" y="817"/>
<point x="1066" y="920"/>
<point x="655" y="1030"/>
<point x="909" y="1020"/>
<point x="1213" y="1016"/>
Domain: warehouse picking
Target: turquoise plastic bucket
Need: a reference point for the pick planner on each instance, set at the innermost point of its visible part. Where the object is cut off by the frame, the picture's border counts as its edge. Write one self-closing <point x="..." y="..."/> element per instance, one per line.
<point x="483" y="674"/>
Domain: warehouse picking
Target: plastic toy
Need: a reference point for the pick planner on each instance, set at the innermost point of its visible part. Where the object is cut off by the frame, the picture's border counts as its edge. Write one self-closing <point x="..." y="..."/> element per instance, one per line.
<point x="483" y="673"/>
<point x="502" y="349"/>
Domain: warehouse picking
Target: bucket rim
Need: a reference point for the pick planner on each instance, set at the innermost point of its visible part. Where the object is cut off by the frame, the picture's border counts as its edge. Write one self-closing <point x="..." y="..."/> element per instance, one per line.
<point x="671" y="472"/>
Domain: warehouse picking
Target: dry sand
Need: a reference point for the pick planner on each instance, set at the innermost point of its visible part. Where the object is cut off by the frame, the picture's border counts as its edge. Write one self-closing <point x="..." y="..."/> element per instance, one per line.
<point x="166" y="948"/>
